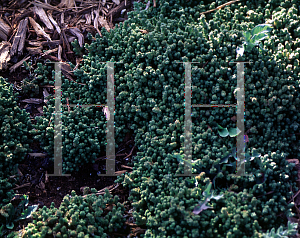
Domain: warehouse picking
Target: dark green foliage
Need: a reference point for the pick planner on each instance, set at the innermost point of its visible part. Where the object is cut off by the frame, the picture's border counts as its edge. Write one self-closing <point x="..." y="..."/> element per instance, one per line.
<point x="14" y="126"/>
<point x="14" y="144"/>
<point x="10" y="214"/>
<point x="83" y="134"/>
<point x="282" y="233"/>
<point x="78" y="216"/>
<point x="77" y="49"/>
<point x="37" y="77"/>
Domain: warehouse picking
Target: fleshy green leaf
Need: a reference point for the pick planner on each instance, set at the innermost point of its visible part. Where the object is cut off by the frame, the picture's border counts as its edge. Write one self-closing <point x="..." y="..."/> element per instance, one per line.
<point x="223" y="132"/>
<point x="291" y="230"/>
<point x="262" y="28"/>
<point x="249" y="46"/>
<point x="27" y="213"/>
<point x="10" y="225"/>
<point x="225" y="159"/>
<point x="208" y="196"/>
<point x="233" y="132"/>
<point x="207" y="192"/>
<point x="259" y="37"/>
<point x="181" y="160"/>
<point x="232" y="153"/>
<point x="178" y="157"/>
<point x="247" y="36"/>
<point x="256" y="154"/>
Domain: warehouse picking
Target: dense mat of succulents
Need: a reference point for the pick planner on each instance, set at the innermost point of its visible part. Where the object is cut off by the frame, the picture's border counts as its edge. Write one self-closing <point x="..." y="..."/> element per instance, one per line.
<point x="149" y="96"/>
<point x="15" y="125"/>
<point x="78" y="216"/>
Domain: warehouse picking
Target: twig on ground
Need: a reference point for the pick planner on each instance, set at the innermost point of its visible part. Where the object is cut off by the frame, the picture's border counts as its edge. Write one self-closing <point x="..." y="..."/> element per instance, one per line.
<point x="221" y="6"/>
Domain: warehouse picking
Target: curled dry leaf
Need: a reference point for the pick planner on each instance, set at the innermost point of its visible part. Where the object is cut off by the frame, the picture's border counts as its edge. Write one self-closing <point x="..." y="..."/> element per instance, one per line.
<point x="144" y="31"/>
<point x="4" y="54"/>
<point x="103" y="23"/>
<point x="147" y="6"/>
<point x="88" y="19"/>
<point x="40" y="109"/>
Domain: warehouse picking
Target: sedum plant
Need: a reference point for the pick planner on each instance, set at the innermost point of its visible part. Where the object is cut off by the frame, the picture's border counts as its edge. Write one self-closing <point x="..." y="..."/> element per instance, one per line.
<point x="78" y="216"/>
<point x="280" y="233"/>
<point x="208" y="195"/>
<point x="11" y="214"/>
<point x="14" y="126"/>
<point x="253" y="38"/>
<point x="14" y="144"/>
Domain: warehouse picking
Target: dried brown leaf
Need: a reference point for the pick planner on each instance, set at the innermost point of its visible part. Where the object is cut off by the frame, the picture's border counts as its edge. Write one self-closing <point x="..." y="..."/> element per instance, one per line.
<point x="295" y="161"/>
<point x="49" y="51"/>
<point x="221" y="6"/>
<point x="42" y="185"/>
<point x="88" y="18"/>
<point x="59" y="52"/>
<point x="144" y="31"/>
<point x="103" y="23"/>
<point x="4" y="54"/>
<point x="96" y="23"/>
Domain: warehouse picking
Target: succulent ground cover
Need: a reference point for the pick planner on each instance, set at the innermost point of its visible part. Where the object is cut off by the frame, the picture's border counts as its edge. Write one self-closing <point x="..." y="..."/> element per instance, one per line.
<point x="149" y="98"/>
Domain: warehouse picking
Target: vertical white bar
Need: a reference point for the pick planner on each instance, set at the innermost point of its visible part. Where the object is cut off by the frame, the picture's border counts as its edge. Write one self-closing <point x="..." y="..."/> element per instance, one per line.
<point x="240" y="142"/>
<point x="240" y="119"/>
<point x="110" y="133"/>
<point x="58" y="124"/>
<point x="188" y="119"/>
